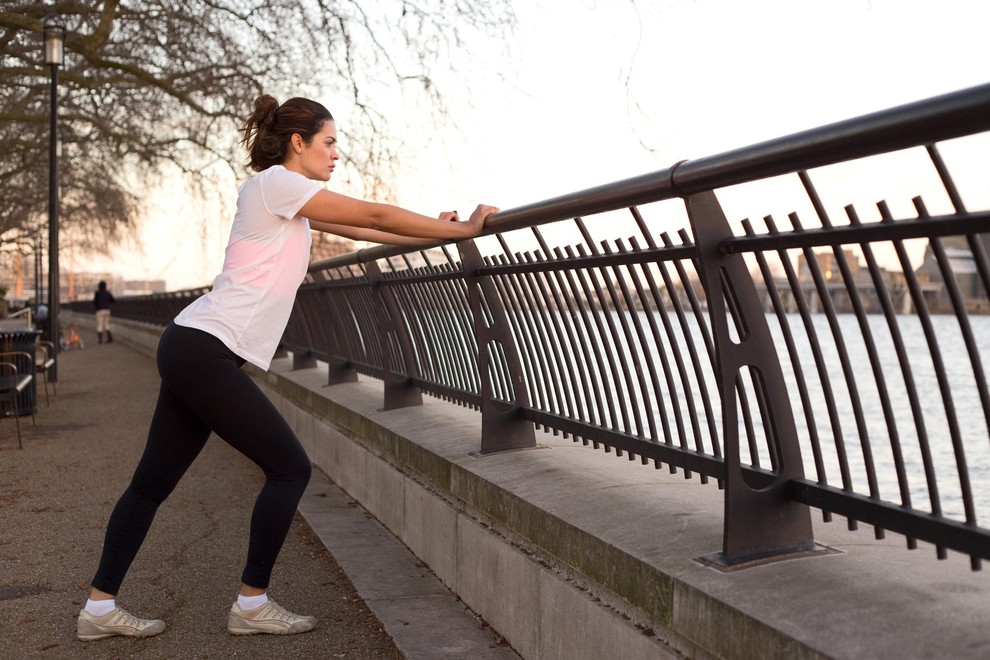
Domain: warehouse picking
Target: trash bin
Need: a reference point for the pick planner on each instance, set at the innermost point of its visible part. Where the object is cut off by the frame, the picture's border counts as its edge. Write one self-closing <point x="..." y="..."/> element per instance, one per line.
<point x="23" y="341"/>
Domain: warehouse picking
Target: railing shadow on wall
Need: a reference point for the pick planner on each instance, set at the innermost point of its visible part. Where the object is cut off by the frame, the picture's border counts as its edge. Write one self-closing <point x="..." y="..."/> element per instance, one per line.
<point x="620" y="316"/>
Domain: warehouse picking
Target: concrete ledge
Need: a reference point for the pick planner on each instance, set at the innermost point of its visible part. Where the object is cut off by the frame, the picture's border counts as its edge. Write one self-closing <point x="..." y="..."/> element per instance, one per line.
<point x="569" y="552"/>
<point x="572" y="553"/>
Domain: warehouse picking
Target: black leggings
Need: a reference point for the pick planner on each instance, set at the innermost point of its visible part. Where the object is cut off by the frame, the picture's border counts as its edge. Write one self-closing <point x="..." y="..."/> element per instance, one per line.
<point x="203" y="389"/>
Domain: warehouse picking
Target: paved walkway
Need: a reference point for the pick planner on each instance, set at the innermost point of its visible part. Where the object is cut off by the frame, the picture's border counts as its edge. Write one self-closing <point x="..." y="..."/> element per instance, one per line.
<point x="56" y="494"/>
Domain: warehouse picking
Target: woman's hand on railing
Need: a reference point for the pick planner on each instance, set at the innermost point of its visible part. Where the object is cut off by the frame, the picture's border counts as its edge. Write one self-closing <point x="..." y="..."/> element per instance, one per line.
<point x="477" y="220"/>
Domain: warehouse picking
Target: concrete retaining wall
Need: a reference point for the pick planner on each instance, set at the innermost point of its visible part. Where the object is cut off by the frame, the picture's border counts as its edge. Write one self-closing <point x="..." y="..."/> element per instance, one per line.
<point x="569" y="552"/>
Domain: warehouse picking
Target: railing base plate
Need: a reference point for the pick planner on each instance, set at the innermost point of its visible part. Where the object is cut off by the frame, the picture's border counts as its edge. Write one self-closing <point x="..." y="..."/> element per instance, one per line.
<point x="720" y="562"/>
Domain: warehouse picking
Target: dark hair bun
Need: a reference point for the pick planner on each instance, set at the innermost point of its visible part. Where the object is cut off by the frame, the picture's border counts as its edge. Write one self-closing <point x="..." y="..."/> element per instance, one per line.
<point x="265" y="107"/>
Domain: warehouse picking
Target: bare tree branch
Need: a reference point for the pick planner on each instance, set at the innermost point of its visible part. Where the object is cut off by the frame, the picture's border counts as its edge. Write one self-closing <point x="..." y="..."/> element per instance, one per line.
<point x="150" y="86"/>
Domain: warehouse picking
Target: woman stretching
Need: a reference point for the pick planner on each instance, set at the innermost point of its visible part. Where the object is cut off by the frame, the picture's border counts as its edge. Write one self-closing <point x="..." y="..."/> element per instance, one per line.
<point x="203" y="390"/>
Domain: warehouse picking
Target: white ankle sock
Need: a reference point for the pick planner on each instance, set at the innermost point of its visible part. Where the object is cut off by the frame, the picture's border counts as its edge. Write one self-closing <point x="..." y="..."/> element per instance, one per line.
<point x="100" y="607"/>
<point x="251" y="602"/>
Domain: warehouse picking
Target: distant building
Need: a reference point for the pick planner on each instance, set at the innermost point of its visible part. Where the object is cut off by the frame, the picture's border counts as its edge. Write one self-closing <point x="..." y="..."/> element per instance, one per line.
<point x="824" y="277"/>
<point x="961" y="264"/>
<point x="142" y="287"/>
<point x="328" y="245"/>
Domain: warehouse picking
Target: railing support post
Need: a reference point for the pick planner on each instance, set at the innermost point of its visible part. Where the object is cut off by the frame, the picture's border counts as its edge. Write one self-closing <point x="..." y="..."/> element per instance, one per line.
<point x="303" y="360"/>
<point x="502" y="426"/>
<point x="760" y="520"/>
<point x="396" y="347"/>
<point x="339" y="370"/>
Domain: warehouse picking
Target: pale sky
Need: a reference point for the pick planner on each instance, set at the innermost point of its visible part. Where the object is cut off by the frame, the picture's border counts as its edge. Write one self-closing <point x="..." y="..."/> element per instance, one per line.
<point x="608" y="90"/>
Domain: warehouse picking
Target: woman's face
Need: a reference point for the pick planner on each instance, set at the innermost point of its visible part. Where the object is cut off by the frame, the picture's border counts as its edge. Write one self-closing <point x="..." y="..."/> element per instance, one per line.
<point x="318" y="158"/>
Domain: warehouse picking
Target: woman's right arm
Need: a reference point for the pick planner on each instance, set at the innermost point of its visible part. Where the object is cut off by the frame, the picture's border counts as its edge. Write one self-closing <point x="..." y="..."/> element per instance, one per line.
<point x="330" y="208"/>
<point x="370" y="235"/>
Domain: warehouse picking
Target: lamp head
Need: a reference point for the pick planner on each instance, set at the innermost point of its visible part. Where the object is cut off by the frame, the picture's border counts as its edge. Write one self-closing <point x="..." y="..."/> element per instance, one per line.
<point x="54" y="42"/>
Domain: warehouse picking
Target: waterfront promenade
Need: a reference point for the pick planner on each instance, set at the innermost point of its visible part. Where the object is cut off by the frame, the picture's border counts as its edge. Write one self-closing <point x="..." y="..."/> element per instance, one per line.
<point x="870" y="599"/>
<point x="56" y="494"/>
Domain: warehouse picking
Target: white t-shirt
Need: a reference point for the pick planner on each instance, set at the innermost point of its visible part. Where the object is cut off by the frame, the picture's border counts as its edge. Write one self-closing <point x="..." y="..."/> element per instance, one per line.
<point x="266" y="260"/>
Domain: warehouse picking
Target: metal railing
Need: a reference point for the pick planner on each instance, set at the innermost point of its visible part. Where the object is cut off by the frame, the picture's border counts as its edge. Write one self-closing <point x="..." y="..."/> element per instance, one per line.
<point x="829" y="364"/>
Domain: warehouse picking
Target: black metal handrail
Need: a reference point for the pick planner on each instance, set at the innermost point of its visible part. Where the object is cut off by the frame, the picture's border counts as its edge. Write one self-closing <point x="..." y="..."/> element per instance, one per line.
<point x="747" y="356"/>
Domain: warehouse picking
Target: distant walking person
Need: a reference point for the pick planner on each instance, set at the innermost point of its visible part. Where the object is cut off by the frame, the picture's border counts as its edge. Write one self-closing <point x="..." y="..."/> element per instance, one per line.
<point x="241" y="319"/>
<point x="102" y="300"/>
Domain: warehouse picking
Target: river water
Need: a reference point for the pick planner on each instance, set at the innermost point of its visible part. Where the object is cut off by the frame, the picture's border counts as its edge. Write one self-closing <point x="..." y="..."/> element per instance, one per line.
<point x="952" y="419"/>
<point x="954" y="427"/>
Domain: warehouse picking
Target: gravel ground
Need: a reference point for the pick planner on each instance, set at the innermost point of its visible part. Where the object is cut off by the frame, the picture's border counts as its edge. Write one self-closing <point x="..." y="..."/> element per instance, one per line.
<point x="56" y="495"/>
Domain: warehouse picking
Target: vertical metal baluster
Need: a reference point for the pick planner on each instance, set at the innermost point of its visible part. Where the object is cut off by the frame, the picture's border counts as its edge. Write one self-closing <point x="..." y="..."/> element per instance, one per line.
<point x="355" y="296"/>
<point x="456" y="291"/>
<point x="959" y="306"/>
<point x="447" y="325"/>
<point x="687" y="338"/>
<point x="614" y="399"/>
<point x="848" y="372"/>
<point x="456" y="299"/>
<point x="437" y="335"/>
<point x="339" y="332"/>
<point x="598" y="386"/>
<point x="433" y="338"/>
<point x="401" y="360"/>
<point x="457" y="295"/>
<point x="438" y="361"/>
<point x="546" y="326"/>
<point x="931" y="338"/>
<point x="633" y="343"/>
<point x="979" y="252"/>
<point x="366" y="306"/>
<point x="823" y="375"/>
<point x="530" y="319"/>
<point x="304" y="328"/>
<point x="521" y="318"/>
<point x="411" y="317"/>
<point x="672" y="343"/>
<point x="618" y="377"/>
<point x="552" y="312"/>
<point x="644" y="299"/>
<point x="362" y="310"/>
<point x="871" y="349"/>
<point x="568" y="329"/>
<point x="781" y="312"/>
<point x="661" y="351"/>
<point x="904" y="363"/>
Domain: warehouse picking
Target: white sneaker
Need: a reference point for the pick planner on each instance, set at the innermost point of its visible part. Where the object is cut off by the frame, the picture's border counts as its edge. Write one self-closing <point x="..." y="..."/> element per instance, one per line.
<point x="118" y="622"/>
<point x="269" y="618"/>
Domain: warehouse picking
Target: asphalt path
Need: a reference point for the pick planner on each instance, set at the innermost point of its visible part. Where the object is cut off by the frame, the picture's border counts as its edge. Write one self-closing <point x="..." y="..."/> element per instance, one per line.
<point x="57" y="492"/>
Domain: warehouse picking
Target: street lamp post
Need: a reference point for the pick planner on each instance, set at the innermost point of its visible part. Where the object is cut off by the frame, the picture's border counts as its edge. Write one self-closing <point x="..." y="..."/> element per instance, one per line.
<point x="37" y="270"/>
<point x="54" y="53"/>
